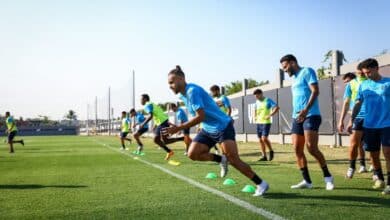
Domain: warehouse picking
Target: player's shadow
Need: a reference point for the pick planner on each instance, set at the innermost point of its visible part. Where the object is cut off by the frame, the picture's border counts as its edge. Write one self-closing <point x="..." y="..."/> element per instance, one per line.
<point x="342" y="198"/>
<point x="38" y="186"/>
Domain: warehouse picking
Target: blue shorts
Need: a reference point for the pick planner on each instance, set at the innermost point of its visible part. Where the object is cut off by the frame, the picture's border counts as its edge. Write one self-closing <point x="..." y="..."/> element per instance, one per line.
<point x="375" y="137"/>
<point x="124" y="134"/>
<point x="210" y="139"/>
<point x="263" y="130"/>
<point x="157" y="130"/>
<point x="11" y="136"/>
<point x="141" y="131"/>
<point x="357" y="124"/>
<point x="186" y="131"/>
<point x="311" y="123"/>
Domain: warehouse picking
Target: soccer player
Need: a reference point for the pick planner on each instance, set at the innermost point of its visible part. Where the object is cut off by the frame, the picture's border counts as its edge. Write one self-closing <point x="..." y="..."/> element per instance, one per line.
<point x="182" y="118"/>
<point x="221" y="100"/>
<point x="306" y="119"/>
<point x="160" y="119"/>
<point x="125" y="129"/>
<point x="265" y="109"/>
<point x="217" y="128"/>
<point x="139" y="118"/>
<point x="374" y="98"/>
<point x="12" y="130"/>
<point x="356" y="138"/>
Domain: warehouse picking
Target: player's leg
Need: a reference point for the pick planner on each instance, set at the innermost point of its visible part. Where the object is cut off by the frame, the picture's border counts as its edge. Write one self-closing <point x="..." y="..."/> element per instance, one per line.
<point x="187" y="140"/>
<point x="261" y="143"/>
<point x="372" y="140"/>
<point x="231" y="151"/>
<point x="266" y="130"/>
<point x="10" y="139"/>
<point x="385" y="140"/>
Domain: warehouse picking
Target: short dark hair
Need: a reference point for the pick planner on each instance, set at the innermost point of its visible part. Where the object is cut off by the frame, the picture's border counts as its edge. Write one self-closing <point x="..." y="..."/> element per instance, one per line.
<point x="172" y="105"/>
<point x="288" y="58"/>
<point x="215" y="88"/>
<point x="369" y="63"/>
<point x="146" y="97"/>
<point x="132" y="111"/>
<point x="124" y="113"/>
<point x="257" y="91"/>
<point x="177" y="71"/>
<point x="7" y="113"/>
<point x="349" y="75"/>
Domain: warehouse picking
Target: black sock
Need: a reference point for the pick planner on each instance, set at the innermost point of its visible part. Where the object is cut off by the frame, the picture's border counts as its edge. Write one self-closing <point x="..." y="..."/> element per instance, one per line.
<point x="379" y="173"/>
<point x="256" y="179"/>
<point x="180" y="139"/>
<point x="215" y="146"/>
<point x="123" y="145"/>
<point x="388" y="178"/>
<point x="166" y="148"/>
<point x="362" y="162"/>
<point x="326" y="171"/>
<point x="217" y="158"/>
<point x="352" y="164"/>
<point x="305" y="174"/>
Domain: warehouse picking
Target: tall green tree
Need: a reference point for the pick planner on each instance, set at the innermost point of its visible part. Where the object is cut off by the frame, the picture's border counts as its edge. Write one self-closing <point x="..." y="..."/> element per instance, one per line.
<point x="71" y="115"/>
<point x="236" y="86"/>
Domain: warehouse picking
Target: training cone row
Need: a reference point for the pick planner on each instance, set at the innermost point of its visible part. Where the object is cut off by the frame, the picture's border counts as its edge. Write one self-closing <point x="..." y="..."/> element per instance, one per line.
<point x="231" y="182"/>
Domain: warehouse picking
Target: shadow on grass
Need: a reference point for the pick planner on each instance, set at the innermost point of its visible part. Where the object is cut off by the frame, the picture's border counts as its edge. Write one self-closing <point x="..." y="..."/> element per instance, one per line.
<point x="38" y="186"/>
<point x="258" y="154"/>
<point x="341" y="198"/>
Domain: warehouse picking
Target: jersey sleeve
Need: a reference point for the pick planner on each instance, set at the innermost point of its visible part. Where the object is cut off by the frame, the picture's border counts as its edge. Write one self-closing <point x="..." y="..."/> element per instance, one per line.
<point x="311" y="77"/>
<point x="359" y="96"/>
<point x="195" y="99"/>
<point x="347" y="92"/>
<point x="149" y="108"/>
<point x="226" y="102"/>
<point x="271" y="103"/>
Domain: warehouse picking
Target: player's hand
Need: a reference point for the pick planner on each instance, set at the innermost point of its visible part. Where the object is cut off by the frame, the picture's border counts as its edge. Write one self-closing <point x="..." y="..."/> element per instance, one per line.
<point x="219" y="103"/>
<point x="340" y="127"/>
<point x="349" y="127"/>
<point x="173" y="129"/>
<point x="302" y="115"/>
<point x="267" y="117"/>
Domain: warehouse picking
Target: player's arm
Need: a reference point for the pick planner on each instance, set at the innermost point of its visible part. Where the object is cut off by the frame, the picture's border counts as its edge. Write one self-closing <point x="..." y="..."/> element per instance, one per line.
<point x="315" y="92"/>
<point x="343" y="114"/>
<point x="274" y="111"/>
<point x="199" y="117"/>
<point x="227" y="105"/>
<point x="12" y="126"/>
<point x="355" y="112"/>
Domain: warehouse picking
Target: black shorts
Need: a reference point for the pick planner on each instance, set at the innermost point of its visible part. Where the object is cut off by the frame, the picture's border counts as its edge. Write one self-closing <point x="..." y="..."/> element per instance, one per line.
<point x="124" y="134"/>
<point x="141" y="131"/>
<point x="375" y="137"/>
<point x="357" y="124"/>
<point x="311" y="123"/>
<point x="263" y="130"/>
<point x="210" y="139"/>
<point x="157" y="130"/>
<point x="11" y="136"/>
<point x="186" y="131"/>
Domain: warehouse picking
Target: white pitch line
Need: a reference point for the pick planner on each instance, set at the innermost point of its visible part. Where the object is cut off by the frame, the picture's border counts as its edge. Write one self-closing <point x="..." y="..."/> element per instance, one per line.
<point x="232" y="199"/>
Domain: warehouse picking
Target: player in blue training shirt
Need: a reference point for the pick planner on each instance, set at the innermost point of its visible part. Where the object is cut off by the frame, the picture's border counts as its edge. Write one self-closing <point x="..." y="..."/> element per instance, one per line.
<point x="306" y="119"/>
<point x="374" y="99"/>
<point x="217" y="127"/>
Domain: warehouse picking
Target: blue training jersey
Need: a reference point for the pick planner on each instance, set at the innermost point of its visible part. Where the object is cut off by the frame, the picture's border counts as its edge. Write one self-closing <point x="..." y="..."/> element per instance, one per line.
<point x="140" y="118"/>
<point x="181" y="116"/>
<point x="301" y="92"/>
<point x="375" y="98"/>
<point x="196" y="98"/>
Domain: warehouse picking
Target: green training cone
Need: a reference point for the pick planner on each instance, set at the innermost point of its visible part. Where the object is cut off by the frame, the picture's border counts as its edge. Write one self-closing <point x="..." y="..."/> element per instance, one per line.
<point x="249" y="189"/>
<point x="211" y="176"/>
<point x="229" y="182"/>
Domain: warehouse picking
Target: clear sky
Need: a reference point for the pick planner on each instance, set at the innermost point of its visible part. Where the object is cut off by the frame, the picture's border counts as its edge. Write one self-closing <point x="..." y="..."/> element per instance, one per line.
<point x="59" y="55"/>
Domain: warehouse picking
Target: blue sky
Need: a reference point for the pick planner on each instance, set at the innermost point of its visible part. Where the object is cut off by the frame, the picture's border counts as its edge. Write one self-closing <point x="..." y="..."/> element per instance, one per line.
<point x="59" y="55"/>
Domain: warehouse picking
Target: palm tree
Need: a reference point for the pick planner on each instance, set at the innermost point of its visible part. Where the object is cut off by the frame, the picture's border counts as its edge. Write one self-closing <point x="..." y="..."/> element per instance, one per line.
<point x="71" y="115"/>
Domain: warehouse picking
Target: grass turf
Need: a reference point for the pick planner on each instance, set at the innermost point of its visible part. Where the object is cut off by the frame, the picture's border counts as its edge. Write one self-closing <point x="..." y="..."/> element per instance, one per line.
<point x="77" y="178"/>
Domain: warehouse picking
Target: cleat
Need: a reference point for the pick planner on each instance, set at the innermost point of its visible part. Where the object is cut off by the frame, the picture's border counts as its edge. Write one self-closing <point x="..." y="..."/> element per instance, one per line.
<point x="379" y="184"/>
<point x="263" y="159"/>
<point x="261" y="189"/>
<point x="350" y="173"/>
<point x="169" y="155"/>
<point x="329" y="183"/>
<point x="271" y="155"/>
<point x="302" y="185"/>
<point x="362" y="169"/>
<point x="224" y="166"/>
<point x="22" y="142"/>
<point x="386" y="191"/>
